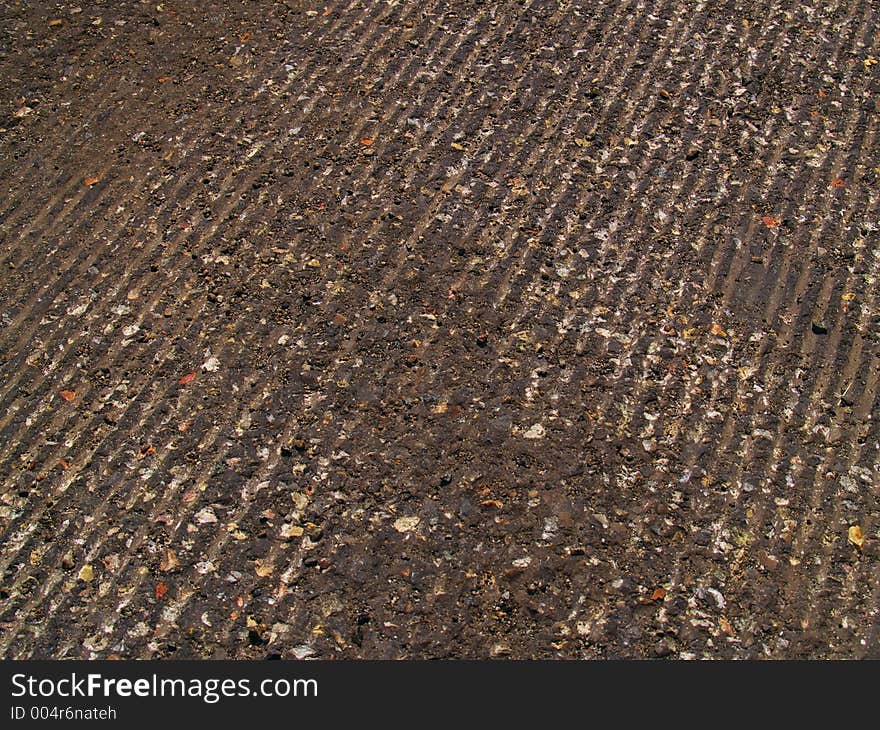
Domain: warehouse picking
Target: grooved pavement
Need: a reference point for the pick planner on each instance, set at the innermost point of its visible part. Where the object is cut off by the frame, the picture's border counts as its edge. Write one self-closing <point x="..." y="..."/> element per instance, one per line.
<point x="472" y="329"/>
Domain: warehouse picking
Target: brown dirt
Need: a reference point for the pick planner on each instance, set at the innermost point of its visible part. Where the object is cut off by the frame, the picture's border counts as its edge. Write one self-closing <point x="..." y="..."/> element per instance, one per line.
<point x="517" y="329"/>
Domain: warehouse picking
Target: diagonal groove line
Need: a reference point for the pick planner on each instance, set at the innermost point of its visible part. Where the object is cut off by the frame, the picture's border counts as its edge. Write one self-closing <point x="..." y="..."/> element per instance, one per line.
<point x="248" y="180"/>
<point x="602" y="408"/>
<point x="819" y="182"/>
<point x="328" y="29"/>
<point x="622" y="211"/>
<point x="682" y="191"/>
<point x="500" y="356"/>
<point x="714" y="397"/>
<point x="865" y="405"/>
<point x="724" y="438"/>
<point x="207" y="237"/>
<point x="276" y="550"/>
<point x="184" y="181"/>
<point x="824" y="385"/>
<point x="146" y="412"/>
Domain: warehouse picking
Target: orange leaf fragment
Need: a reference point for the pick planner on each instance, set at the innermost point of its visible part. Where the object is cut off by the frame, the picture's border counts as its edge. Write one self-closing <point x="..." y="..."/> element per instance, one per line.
<point x="187" y="379"/>
<point x="838" y="183"/>
<point x="658" y="595"/>
<point x="161" y="590"/>
<point x="770" y="221"/>
<point x="718" y="330"/>
<point x="147" y="451"/>
<point x="366" y="141"/>
<point x="91" y="181"/>
<point x="68" y="395"/>
<point x="244" y="37"/>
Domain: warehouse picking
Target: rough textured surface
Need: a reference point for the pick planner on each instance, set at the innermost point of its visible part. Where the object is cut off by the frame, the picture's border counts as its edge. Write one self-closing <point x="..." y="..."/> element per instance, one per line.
<point x="377" y="329"/>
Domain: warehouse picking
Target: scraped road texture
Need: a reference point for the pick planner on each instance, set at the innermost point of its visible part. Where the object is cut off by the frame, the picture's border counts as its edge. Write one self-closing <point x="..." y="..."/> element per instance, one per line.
<point x="443" y="329"/>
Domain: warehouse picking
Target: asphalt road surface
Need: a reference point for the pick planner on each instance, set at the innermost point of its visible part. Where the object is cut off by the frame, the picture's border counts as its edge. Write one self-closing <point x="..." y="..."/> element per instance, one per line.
<point x="440" y="329"/>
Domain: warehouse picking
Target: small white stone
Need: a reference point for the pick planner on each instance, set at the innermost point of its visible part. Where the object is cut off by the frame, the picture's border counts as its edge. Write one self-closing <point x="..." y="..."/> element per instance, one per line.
<point x="535" y="432"/>
<point x="406" y="524"/>
<point x="206" y="516"/>
<point x="302" y="651"/>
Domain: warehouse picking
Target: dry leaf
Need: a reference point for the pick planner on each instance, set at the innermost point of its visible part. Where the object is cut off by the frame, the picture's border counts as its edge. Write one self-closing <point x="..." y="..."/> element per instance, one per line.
<point x="718" y="330"/>
<point x="169" y="561"/>
<point x="856" y="536"/>
<point x="770" y="221"/>
<point x="658" y="595"/>
<point x="91" y="181"/>
<point x="366" y="141"/>
<point x="290" y="531"/>
<point x="68" y="395"/>
<point x="838" y="183"/>
<point x="86" y="573"/>
<point x="161" y="590"/>
<point x="187" y="379"/>
<point x="264" y="570"/>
